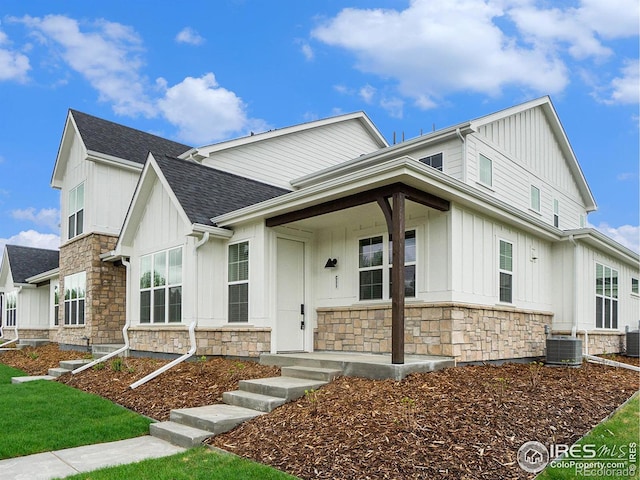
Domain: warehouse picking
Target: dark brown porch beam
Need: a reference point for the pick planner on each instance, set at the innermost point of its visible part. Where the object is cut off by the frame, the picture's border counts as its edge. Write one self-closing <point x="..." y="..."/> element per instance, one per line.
<point x="362" y="198"/>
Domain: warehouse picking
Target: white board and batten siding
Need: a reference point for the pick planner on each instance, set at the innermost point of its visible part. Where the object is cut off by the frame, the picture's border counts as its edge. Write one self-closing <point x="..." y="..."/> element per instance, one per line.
<point x="107" y="192"/>
<point x="584" y="301"/>
<point x="279" y="160"/>
<point x="475" y="262"/>
<point x="108" y="198"/>
<point x="525" y="152"/>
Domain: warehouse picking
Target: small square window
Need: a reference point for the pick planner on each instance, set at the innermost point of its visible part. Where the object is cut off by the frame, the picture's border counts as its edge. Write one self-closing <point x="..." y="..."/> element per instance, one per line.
<point x="434" y="161"/>
<point x="635" y="287"/>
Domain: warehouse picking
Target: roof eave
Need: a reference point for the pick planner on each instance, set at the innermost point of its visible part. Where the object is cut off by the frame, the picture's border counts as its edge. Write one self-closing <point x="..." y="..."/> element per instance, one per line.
<point x="44" y="276"/>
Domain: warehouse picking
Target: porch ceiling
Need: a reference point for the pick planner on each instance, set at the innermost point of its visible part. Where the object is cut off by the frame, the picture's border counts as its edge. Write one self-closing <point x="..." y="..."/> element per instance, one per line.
<point x="372" y="196"/>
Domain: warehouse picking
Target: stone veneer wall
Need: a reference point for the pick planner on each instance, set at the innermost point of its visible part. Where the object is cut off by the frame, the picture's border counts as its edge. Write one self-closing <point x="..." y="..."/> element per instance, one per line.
<point x="29" y="333"/>
<point x="466" y="332"/>
<point x="105" y="293"/>
<point x="600" y="342"/>
<point x="226" y="341"/>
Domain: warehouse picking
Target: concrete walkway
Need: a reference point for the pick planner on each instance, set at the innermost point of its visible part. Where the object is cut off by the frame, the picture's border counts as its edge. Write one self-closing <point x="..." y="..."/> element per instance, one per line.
<point x="62" y="463"/>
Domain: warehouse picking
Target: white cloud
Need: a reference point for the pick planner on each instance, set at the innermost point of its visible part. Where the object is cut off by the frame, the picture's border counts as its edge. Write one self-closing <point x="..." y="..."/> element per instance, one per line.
<point x="431" y="49"/>
<point x="393" y="106"/>
<point x="626" y="88"/>
<point x="106" y="54"/>
<point x="307" y="51"/>
<point x="204" y="111"/>
<point x="46" y="217"/>
<point x="189" y="36"/>
<point x="31" y="238"/>
<point x="626" y="176"/>
<point x="627" y="235"/>
<point x="13" y="65"/>
<point x="367" y="92"/>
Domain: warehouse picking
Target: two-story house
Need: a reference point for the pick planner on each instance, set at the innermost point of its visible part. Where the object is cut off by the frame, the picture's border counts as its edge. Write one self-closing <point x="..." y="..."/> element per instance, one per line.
<point x="284" y="241"/>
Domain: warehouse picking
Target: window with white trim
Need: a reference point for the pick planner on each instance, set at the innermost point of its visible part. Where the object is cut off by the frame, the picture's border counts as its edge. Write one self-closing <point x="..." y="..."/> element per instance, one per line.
<point x="56" y="304"/>
<point x="556" y="213"/>
<point x="583" y="220"/>
<point x="434" y="161"/>
<point x="505" y="271"/>
<point x="371" y="272"/>
<point x="74" y="298"/>
<point x="11" y="309"/>
<point x="76" y="211"/>
<point x="606" y="297"/>
<point x="535" y="198"/>
<point x="635" y="286"/>
<point x="485" y="167"/>
<point x="161" y="287"/>
<point x="239" y="282"/>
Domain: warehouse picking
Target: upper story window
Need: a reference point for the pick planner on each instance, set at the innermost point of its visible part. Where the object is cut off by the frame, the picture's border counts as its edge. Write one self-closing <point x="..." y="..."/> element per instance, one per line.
<point x="635" y="287"/>
<point x="505" y="270"/>
<point x="76" y="211"/>
<point x="161" y="287"/>
<point x="371" y="268"/>
<point x="535" y="198"/>
<point x="583" y="221"/>
<point x="485" y="167"/>
<point x="434" y="161"/>
<point x="11" y="309"/>
<point x="556" y="213"/>
<point x="606" y="297"/>
<point x="239" y="282"/>
<point x="74" y="298"/>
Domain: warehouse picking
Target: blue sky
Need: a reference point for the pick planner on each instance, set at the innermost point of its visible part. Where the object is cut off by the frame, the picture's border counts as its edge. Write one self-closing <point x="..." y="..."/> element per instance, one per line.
<point x="200" y="72"/>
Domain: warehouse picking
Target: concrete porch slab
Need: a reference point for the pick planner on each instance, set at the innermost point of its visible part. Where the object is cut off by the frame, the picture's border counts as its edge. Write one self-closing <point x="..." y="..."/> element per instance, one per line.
<point x="367" y="365"/>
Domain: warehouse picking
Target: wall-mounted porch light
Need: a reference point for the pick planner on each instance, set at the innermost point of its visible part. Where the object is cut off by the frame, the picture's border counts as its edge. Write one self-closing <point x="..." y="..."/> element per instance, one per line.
<point x="331" y="263"/>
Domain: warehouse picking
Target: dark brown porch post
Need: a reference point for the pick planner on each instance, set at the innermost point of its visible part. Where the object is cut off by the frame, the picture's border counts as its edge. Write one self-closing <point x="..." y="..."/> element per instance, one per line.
<point x="397" y="279"/>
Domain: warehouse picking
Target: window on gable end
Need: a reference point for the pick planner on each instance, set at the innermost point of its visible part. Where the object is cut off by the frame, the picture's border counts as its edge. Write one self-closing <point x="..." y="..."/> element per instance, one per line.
<point x="76" y="211"/>
<point x="434" y="161"/>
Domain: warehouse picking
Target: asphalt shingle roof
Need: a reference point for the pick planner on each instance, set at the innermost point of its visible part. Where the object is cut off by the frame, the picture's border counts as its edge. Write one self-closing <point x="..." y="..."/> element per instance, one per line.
<point x="205" y="192"/>
<point x="26" y="262"/>
<point x="123" y="142"/>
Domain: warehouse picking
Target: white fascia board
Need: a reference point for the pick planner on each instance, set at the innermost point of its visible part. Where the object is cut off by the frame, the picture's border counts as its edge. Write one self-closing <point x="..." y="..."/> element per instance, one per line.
<point x="405" y="170"/>
<point x="604" y="243"/>
<point x="59" y="166"/>
<point x="208" y="150"/>
<point x="44" y="276"/>
<point x="379" y="156"/>
<point x="197" y="229"/>
<point x="113" y="161"/>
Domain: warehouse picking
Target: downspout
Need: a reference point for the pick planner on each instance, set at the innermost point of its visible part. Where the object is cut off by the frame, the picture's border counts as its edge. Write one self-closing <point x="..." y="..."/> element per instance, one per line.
<point x="15" y="327"/>
<point x="464" y="155"/>
<point x="574" y="329"/>
<point x="127" y="324"/>
<point x="192" y="330"/>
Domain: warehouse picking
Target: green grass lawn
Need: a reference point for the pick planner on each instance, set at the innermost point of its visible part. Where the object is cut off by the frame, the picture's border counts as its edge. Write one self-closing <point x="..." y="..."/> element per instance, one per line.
<point x="195" y="464"/>
<point x="615" y="437"/>
<point x="41" y="416"/>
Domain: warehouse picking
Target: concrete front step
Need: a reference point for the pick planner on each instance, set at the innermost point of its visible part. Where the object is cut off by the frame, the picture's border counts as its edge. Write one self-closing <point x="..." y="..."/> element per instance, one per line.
<point x="213" y="418"/>
<point x="31" y="378"/>
<point x="288" y="388"/>
<point x="32" y="342"/>
<point x="367" y="365"/>
<point x="254" y="401"/>
<point x="73" y="364"/>
<point x="99" y="351"/>
<point x="311" y="373"/>
<point x="178" y="434"/>
<point x="58" y="371"/>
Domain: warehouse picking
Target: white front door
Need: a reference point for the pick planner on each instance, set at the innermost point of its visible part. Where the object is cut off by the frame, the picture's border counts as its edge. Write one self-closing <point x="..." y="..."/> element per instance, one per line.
<point x="290" y="287"/>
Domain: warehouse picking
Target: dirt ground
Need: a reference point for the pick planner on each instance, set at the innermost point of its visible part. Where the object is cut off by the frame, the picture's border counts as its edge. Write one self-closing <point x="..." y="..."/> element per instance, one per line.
<point x="460" y="423"/>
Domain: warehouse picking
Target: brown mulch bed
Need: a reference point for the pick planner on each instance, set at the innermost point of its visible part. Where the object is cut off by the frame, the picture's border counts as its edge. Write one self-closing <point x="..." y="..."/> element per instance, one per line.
<point x="460" y="423"/>
<point x="188" y="384"/>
